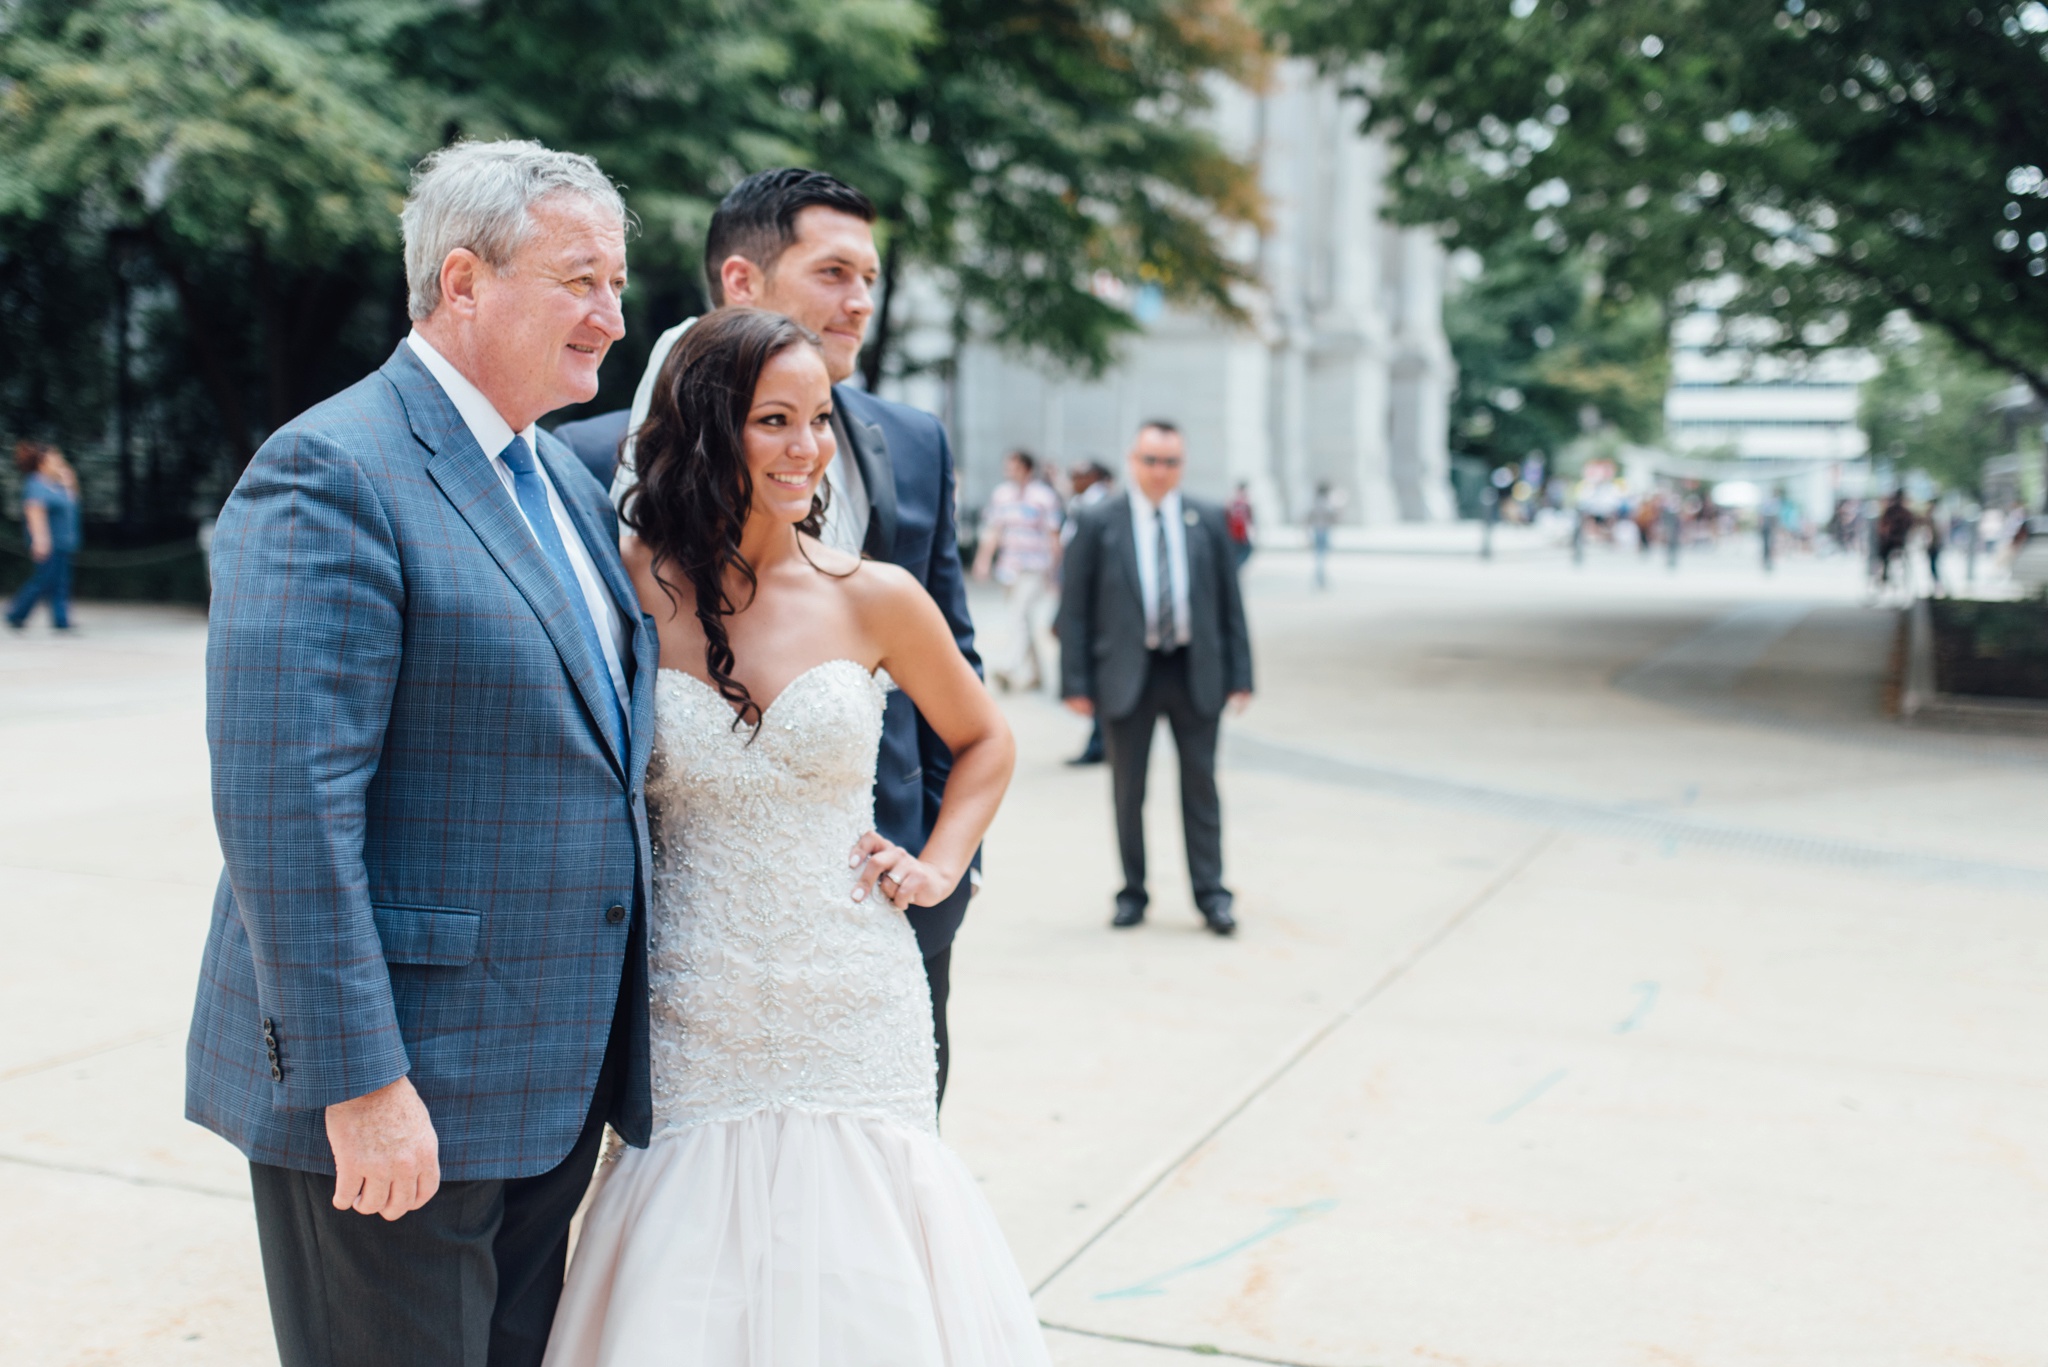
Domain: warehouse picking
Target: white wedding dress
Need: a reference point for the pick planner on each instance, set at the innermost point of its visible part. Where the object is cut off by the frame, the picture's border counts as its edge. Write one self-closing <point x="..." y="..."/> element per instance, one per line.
<point x="796" y="1208"/>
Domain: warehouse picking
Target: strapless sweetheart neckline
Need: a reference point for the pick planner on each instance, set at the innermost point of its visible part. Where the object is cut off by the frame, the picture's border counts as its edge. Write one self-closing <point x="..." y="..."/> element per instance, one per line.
<point x="870" y="674"/>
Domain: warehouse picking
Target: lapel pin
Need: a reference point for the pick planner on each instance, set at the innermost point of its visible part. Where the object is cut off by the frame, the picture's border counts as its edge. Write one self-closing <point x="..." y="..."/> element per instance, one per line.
<point x="1189" y="517"/>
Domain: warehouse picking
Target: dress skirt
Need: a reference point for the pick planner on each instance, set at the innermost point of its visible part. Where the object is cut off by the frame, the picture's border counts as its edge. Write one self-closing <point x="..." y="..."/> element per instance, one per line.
<point x="791" y="1238"/>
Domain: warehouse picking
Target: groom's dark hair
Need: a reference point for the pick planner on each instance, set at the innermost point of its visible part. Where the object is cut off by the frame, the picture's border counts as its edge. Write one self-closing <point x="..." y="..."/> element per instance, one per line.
<point x="757" y="218"/>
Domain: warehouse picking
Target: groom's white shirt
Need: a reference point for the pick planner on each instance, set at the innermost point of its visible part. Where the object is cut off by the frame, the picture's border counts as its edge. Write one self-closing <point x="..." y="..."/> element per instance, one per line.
<point x="847" y="508"/>
<point x="493" y="434"/>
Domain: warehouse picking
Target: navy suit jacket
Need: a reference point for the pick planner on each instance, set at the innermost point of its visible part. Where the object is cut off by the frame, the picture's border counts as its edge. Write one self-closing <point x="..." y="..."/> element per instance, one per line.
<point x="435" y="836"/>
<point x="907" y="464"/>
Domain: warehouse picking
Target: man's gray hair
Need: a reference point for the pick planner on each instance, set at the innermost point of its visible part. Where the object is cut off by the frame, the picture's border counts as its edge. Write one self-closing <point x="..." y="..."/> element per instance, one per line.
<point x="480" y="195"/>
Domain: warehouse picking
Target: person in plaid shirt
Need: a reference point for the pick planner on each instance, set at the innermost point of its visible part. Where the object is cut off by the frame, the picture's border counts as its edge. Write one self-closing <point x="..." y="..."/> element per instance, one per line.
<point x="1020" y="547"/>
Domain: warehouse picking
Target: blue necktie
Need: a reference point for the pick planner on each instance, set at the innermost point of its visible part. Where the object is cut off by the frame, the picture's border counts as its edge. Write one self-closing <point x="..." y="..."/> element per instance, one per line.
<point x="533" y="501"/>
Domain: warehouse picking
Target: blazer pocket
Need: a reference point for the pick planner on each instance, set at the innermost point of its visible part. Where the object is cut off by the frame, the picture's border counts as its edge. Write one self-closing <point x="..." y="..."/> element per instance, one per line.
<point x="428" y="935"/>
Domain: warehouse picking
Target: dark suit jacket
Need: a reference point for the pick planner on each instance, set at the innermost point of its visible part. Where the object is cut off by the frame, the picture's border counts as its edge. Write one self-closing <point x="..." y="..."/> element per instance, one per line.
<point x="1102" y="611"/>
<point x="596" y="442"/>
<point x="907" y="465"/>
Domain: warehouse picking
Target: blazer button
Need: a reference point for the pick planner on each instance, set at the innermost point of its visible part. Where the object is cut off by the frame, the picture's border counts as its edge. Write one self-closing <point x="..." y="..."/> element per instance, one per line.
<point x="615" y="913"/>
<point x="276" y="1073"/>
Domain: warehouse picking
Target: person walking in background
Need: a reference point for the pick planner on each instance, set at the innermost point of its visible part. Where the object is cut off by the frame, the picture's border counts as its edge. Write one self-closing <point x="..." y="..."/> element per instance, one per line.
<point x="1237" y="517"/>
<point x="1894" y="528"/>
<point x="1020" y="546"/>
<point x="49" y="510"/>
<point x="1322" y="515"/>
<point x="1937" y="541"/>
<point x="1092" y="484"/>
<point x="1151" y="624"/>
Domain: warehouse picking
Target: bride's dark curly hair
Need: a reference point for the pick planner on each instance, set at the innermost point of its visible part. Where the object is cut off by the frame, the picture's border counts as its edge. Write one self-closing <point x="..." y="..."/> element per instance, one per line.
<point x="693" y="492"/>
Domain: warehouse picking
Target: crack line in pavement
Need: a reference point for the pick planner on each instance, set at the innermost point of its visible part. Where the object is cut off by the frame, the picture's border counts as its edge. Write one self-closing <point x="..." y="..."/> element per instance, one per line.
<point x="79" y="1055"/>
<point x="1300" y="1051"/>
<point x="1616" y="821"/>
<point x="132" y="1179"/>
<point x="1196" y="1350"/>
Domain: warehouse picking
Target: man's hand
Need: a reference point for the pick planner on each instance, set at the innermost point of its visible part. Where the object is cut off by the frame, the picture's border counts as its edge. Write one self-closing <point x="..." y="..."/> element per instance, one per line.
<point x="1239" y="702"/>
<point x="1080" y="707"/>
<point x="387" y="1159"/>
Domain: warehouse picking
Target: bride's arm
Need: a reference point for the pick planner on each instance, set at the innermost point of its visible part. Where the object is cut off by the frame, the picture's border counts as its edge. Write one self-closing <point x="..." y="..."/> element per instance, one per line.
<point x="918" y="650"/>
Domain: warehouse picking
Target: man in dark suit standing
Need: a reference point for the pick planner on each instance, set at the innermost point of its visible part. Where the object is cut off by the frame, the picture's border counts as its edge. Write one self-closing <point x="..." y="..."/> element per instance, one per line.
<point x="802" y="244"/>
<point x="1151" y="623"/>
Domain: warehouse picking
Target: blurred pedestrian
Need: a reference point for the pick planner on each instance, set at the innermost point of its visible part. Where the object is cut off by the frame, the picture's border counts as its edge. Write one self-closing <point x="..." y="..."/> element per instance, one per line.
<point x="1322" y="515"/>
<point x="1894" y="528"/>
<point x="1092" y="484"/>
<point x="1237" y="518"/>
<point x="1151" y="625"/>
<point x="1937" y="540"/>
<point x="1020" y="547"/>
<point x="49" y="511"/>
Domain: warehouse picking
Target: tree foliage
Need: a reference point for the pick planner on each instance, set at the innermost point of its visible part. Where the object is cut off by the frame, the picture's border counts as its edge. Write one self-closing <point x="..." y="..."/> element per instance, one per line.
<point x="1542" y="360"/>
<point x="1065" y="137"/>
<point x="1844" y="158"/>
<point x="207" y="188"/>
<point x="1929" y="409"/>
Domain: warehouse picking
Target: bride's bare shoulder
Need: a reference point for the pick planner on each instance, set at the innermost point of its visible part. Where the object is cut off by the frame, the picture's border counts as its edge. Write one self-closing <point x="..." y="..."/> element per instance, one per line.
<point x="878" y="586"/>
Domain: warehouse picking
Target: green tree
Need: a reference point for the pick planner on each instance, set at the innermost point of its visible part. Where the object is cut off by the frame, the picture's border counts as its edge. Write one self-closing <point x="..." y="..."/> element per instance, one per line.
<point x="1846" y="158"/>
<point x="258" y="171"/>
<point x="1542" y="359"/>
<point x="1929" y="409"/>
<point x="197" y="197"/>
<point x="1063" y="137"/>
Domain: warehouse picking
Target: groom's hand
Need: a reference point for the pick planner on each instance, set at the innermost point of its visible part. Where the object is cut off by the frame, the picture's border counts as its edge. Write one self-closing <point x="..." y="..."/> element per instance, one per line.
<point x="387" y="1159"/>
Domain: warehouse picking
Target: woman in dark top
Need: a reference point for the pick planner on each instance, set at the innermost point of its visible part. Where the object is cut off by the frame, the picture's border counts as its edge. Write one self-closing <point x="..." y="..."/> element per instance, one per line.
<point x="49" y="507"/>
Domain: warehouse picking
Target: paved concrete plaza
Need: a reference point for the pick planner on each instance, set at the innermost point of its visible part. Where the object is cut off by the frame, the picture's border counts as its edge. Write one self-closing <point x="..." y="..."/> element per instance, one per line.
<point x="1617" y="988"/>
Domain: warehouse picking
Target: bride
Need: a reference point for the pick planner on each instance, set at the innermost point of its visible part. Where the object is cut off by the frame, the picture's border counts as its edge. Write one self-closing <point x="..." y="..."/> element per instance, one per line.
<point x="795" y="1208"/>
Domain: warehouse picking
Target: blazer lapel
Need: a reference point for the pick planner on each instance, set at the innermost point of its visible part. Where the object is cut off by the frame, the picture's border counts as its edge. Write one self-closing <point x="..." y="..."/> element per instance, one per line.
<point x="878" y="473"/>
<point x="1123" y="544"/>
<point x="1198" y="548"/>
<point x="466" y="478"/>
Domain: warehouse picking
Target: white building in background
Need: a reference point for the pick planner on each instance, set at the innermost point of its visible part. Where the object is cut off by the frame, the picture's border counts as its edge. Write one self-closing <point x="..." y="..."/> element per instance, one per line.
<point x="1793" y="424"/>
<point x="1344" y="374"/>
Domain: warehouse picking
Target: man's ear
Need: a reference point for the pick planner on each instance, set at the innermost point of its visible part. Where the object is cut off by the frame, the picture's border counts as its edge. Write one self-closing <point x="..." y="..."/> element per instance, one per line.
<point x="741" y="280"/>
<point x="459" y="272"/>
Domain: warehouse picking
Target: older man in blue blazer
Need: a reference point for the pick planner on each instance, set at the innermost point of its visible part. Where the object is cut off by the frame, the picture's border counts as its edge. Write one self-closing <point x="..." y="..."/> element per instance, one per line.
<point x="802" y="243"/>
<point x="429" y="706"/>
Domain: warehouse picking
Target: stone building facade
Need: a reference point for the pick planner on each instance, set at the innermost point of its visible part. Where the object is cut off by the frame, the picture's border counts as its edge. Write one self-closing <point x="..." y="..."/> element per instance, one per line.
<point x="1343" y="375"/>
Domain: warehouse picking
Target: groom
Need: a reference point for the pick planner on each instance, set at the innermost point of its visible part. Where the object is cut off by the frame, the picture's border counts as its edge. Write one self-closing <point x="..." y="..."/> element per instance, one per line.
<point x="802" y="244"/>
<point x="429" y="702"/>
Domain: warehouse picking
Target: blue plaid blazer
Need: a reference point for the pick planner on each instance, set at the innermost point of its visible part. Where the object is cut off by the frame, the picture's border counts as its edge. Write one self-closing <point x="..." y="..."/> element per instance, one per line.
<point x="435" y="840"/>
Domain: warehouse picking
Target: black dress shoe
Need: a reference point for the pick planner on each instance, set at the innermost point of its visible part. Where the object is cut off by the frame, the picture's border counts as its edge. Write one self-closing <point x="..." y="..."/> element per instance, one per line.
<point x="1087" y="757"/>
<point x="1128" y="914"/>
<point x="1218" y="918"/>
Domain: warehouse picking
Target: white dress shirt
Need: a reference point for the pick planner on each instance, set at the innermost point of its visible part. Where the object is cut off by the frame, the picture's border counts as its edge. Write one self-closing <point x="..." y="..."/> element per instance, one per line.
<point x="847" y="509"/>
<point x="493" y="434"/>
<point x="1145" y="530"/>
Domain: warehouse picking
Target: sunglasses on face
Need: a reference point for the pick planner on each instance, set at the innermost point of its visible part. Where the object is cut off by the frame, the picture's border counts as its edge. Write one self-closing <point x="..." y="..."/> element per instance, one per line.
<point x="1160" y="462"/>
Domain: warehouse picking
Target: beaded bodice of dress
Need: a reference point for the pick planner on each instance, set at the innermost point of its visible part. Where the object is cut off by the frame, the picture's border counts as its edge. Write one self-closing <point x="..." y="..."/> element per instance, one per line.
<point x="769" y="985"/>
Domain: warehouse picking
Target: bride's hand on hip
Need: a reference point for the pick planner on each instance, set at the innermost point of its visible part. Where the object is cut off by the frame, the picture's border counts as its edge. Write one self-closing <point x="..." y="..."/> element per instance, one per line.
<point x="900" y="877"/>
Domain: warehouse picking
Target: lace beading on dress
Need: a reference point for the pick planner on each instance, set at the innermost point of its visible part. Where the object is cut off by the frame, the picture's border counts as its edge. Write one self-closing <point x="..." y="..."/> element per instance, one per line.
<point x="770" y="986"/>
